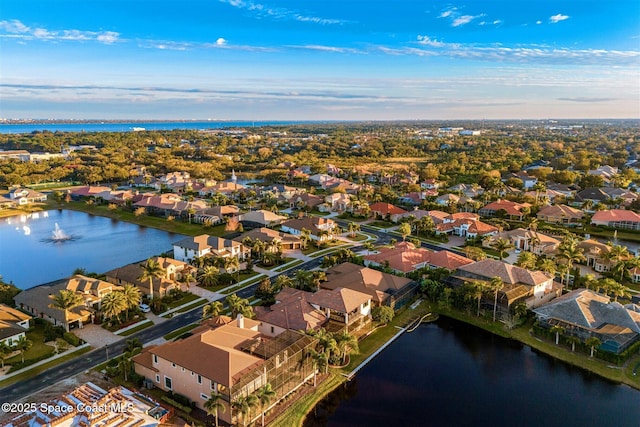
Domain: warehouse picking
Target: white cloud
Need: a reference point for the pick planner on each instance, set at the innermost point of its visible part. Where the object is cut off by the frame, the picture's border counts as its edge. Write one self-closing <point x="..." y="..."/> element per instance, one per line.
<point x="221" y="42"/>
<point x="16" y="29"/>
<point x="447" y="13"/>
<point x="428" y="41"/>
<point x="538" y="22"/>
<point x="261" y="10"/>
<point x="497" y="22"/>
<point x="557" y="18"/>
<point x="462" y="20"/>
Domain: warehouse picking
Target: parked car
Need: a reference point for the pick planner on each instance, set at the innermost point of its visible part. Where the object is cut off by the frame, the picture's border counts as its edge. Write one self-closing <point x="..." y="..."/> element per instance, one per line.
<point x="144" y="308"/>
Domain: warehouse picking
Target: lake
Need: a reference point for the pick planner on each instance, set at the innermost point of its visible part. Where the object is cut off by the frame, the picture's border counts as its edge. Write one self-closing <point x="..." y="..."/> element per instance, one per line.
<point x="449" y="373"/>
<point x="98" y="244"/>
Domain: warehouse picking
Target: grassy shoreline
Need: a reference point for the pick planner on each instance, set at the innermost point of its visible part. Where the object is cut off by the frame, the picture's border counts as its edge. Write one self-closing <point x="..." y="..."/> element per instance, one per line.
<point x="296" y="414"/>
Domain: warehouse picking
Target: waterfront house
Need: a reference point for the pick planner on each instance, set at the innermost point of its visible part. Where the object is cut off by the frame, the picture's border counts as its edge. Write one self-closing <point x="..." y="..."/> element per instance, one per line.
<point x="532" y="287"/>
<point x="384" y="288"/>
<point x="37" y="300"/>
<point x="25" y="196"/>
<point x="233" y="359"/>
<point x="584" y="313"/>
<point x="560" y="214"/>
<point x="205" y="245"/>
<point x="596" y="254"/>
<point x="617" y="218"/>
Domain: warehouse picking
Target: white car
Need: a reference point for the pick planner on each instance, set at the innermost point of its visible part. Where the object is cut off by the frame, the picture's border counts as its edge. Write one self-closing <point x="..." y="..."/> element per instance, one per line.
<point x="144" y="308"/>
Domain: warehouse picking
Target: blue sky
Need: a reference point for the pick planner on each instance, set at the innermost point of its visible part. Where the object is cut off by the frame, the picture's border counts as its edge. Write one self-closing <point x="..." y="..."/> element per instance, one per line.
<point x="319" y="60"/>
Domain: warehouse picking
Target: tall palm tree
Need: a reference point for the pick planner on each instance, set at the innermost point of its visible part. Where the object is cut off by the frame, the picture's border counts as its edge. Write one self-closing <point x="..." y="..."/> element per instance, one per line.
<point x="125" y="364"/>
<point x="214" y="405"/>
<point x="305" y="236"/>
<point x="347" y="344"/>
<point x="265" y="395"/>
<point x="283" y="281"/>
<point x="320" y="362"/>
<point x="151" y="270"/>
<point x="570" y="252"/>
<point x="353" y="228"/>
<point x="209" y="276"/>
<point x="558" y="330"/>
<point x="133" y="345"/>
<point x="548" y="266"/>
<point x="132" y="297"/>
<point x="237" y="305"/>
<point x="188" y="278"/>
<point x="65" y="300"/>
<point x="404" y="230"/>
<point x="241" y="407"/>
<point x="475" y="289"/>
<point x="617" y="255"/>
<point x="593" y="342"/>
<point x="23" y="344"/>
<point x="213" y="309"/>
<point x="232" y="264"/>
<point x="527" y="260"/>
<point x="496" y="284"/>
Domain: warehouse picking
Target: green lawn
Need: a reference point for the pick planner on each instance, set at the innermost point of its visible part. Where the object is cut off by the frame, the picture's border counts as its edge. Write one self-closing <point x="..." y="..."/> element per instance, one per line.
<point x="271" y="267"/>
<point x="184" y="300"/>
<point x="198" y="302"/>
<point x="358" y="238"/>
<point x="286" y="267"/>
<point x="381" y="224"/>
<point x="38" y="351"/>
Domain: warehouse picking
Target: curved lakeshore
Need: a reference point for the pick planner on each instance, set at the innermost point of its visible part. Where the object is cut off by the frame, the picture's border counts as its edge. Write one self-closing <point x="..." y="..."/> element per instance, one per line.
<point x="299" y="411"/>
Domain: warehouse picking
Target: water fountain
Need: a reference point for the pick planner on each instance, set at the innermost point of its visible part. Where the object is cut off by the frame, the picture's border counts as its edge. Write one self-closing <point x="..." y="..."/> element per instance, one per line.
<point x="58" y="235"/>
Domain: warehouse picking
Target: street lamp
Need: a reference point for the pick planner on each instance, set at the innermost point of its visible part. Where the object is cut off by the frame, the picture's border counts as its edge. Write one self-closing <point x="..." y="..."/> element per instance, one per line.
<point x="106" y="347"/>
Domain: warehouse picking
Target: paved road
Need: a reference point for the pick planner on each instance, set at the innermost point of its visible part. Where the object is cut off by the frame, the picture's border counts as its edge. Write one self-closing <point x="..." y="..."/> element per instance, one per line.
<point x="24" y="388"/>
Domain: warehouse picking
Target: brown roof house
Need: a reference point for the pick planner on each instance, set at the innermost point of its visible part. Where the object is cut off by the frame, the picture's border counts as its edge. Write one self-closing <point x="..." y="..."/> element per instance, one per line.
<point x="262" y="218"/>
<point x="268" y="235"/>
<point x="233" y="359"/>
<point x="465" y="224"/>
<point x="511" y="209"/>
<point x="584" y="313"/>
<point x="526" y="240"/>
<point x="532" y="287"/>
<point x="617" y="218"/>
<point x="13" y="324"/>
<point x="386" y="210"/>
<point x="174" y="271"/>
<point x="596" y="254"/>
<point x="37" y="300"/>
<point x="560" y="214"/>
<point x="405" y="257"/>
<point x="384" y="288"/>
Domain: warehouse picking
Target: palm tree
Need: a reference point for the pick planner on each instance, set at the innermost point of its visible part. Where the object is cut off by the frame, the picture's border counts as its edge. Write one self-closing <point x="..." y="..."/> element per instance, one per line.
<point x="265" y="395"/>
<point x="593" y="342"/>
<point x="618" y="255"/>
<point x="188" y="278"/>
<point x="125" y="364"/>
<point x="573" y="340"/>
<point x="347" y="344"/>
<point x="475" y="290"/>
<point x="527" y="260"/>
<point x="496" y="284"/>
<point x="558" y="330"/>
<point x="213" y="309"/>
<point x="23" y="344"/>
<point x="241" y="407"/>
<point x="133" y="345"/>
<point x="232" y="264"/>
<point x="151" y="270"/>
<point x="305" y="236"/>
<point x="65" y="300"/>
<point x="571" y="253"/>
<point x="198" y="261"/>
<point x="353" y="228"/>
<point x="113" y="304"/>
<point x="283" y="281"/>
<point x="548" y="266"/>
<point x="404" y="230"/>
<point x="320" y="361"/>
<point x="237" y="305"/>
<point x="5" y="350"/>
<point x="132" y="297"/>
<point x="209" y="276"/>
<point x="619" y="290"/>
<point x="214" y="405"/>
<point x="502" y="246"/>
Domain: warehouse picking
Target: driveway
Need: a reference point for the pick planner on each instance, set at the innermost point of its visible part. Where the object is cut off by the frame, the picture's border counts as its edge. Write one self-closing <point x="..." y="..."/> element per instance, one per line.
<point x="96" y="335"/>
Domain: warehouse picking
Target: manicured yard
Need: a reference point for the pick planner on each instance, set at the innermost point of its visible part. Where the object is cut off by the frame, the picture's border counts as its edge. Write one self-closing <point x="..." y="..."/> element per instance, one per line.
<point x="38" y="351"/>
<point x="140" y="327"/>
<point x="381" y="224"/>
<point x="288" y="266"/>
<point x="184" y="300"/>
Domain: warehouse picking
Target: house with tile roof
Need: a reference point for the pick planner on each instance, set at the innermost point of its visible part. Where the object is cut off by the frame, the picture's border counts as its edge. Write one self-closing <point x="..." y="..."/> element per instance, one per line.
<point x="13" y="324"/>
<point x="596" y="254"/>
<point x="233" y="359"/>
<point x="37" y="300"/>
<point x="526" y="240"/>
<point x="386" y="210"/>
<point x="532" y="287"/>
<point x="25" y="196"/>
<point x="405" y="257"/>
<point x="205" y="245"/>
<point x="512" y="209"/>
<point x="617" y="218"/>
<point x="584" y="313"/>
<point x="268" y="235"/>
<point x="174" y="272"/>
<point x="465" y="224"/>
<point x="560" y="214"/>
<point x="291" y="310"/>
<point x="383" y="288"/>
<point x="262" y="218"/>
<point x="321" y="228"/>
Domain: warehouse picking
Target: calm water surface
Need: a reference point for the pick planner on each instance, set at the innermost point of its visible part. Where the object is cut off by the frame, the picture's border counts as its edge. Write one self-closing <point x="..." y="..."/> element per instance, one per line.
<point x="27" y="257"/>
<point x="451" y="374"/>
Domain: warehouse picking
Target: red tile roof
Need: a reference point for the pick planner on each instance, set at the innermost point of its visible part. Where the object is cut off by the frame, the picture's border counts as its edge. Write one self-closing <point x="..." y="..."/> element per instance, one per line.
<point x="386" y="209"/>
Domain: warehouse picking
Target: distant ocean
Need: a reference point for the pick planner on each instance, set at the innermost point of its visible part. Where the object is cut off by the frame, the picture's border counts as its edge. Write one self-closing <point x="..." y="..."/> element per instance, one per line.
<point x="129" y="127"/>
